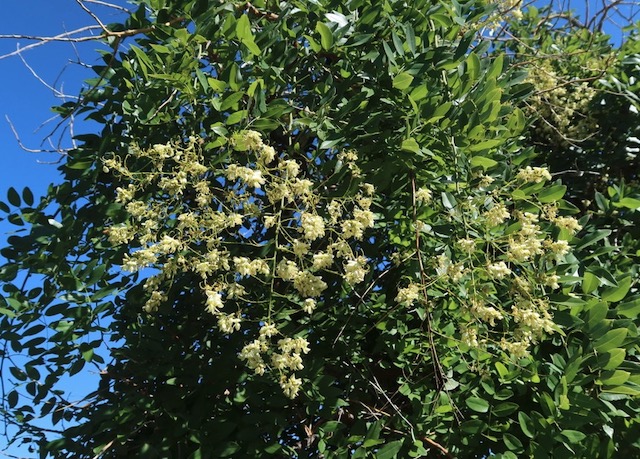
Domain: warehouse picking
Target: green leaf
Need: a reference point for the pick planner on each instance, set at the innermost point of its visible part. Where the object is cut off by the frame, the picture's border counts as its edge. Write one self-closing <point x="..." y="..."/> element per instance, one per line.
<point x="573" y="436"/>
<point x="486" y="144"/>
<point x="630" y="309"/>
<point x="390" y="450"/>
<point x="512" y="442"/>
<point x="526" y="424"/>
<point x="626" y="390"/>
<point x="231" y="101"/>
<point x="629" y="203"/>
<point x="617" y="293"/>
<point x="326" y="36"/>
<point x="592" y="238"/>
<point x="13" y="197"/>
<point x="410" y="145"/>
<point x="590" y="282"/>
<point x="502" y="370"/>
<point x="243" y="28"/>
<point x="448" y="200"/>
<point x="12" y="398"/>
<point x="504" y="409"/>
<point x="495" y="70"/>
<point x="252" y="47"/>
<point x="597" y="313"/>
<point x="402" y="81"/>
<point x="614" y="378"/>
<point x="419" y="92"/>
<point x="27" y="196"/>
<point x="610" y="340"/>
<point x="477" y="404"/>
<point x="612" y="359"/>
<point x="552" y="194"/>
<point x="236" y="117"/>
<point x="474" y="426"/>
<point x="483" y="162"/>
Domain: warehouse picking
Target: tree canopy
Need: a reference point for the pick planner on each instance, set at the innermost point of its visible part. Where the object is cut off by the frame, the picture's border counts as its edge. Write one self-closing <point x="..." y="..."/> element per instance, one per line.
<point x="337" y="229"/>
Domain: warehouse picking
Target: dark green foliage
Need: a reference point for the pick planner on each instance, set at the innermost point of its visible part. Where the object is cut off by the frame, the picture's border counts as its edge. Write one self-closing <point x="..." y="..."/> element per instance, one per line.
<point x="423" y="99"/>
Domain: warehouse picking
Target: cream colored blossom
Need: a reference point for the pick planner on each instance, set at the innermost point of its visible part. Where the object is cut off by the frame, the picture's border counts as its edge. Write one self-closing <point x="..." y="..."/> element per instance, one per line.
<point x="287" y="269"/>
<point x="154" y="301"/>
<point x="120" y="234"/>
<point x="409" y="294"/>
<point x="423" y="195"/>
<point x="485" y="181"/>
<point x="252" y="353"/>
<point x="309" y="305"/>
<point x="533" y="174"/>
<point x="309" y="285"/>
<point x="267" y="154"/>
<point x="290" y="385"/>
<point x="291" y="167"/>
<point x="367" y="189"/>
<point x="322" y="260"/>
<point x="469" y="336"/>
<point x="485" y="313"/>
<point x="523" y="249"/>
<point x="140" y="259"/>
<point x="247" y="267"/>
<point x="496" y="215"/>
<point x="312" y="226"/>
<point x="364" y="217"/>
<point x="268" y="330"/>
<point x="558" y="248"/>
<point x="352" y="229"/>
<point x="355" y="270"/>
<point x="300" y="249"/>
<point x="228" y="323"/>
<point x="498" y="270"/>
<point x="335" y="211"/>
<point x="214" y="301"/>
<point x="552" y="281"/>
<point x="467" y="245"/>
<point x="567" y="223"/>
<point x="125" y="195"/>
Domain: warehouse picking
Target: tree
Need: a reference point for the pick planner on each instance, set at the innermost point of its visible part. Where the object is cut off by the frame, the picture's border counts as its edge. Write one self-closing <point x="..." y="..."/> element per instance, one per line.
<point x="324" y="229"/>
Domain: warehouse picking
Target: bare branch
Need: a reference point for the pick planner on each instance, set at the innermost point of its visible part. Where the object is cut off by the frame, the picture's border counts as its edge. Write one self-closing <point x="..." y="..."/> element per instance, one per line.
<point x="56" y="92"/>
<point x="92" y="14"/>
<point x="22" y="146"/>
<point x="263" y="14"/>
<point x="69" y="38"/>
<point x="108" y="5"/>
<point x="40" y="40"/>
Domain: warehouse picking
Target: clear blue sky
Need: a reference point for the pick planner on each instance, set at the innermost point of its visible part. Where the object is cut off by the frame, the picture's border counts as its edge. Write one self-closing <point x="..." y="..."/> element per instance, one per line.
<point x="27" y="102"/>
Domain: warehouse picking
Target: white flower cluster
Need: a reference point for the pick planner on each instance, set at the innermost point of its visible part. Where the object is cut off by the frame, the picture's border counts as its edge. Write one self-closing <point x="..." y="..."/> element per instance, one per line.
<point x="561" y="106"/>
<point x="286" y="357"/>
<point x="190" y="213"/>
<point x="496" y="276"/>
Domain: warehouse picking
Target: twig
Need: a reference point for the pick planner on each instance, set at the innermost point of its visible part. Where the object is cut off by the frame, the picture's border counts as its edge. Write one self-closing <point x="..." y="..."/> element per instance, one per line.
<point x="56" y="92"/>
<point x="108" y="5"/>
<point x="41" y="40"/>
<point x="439" y="447"/>
<point x="93" y="15"/>
<point x="104" y="449"/>
<point x="69" y="38"/>
<point x="23" y="147"/>
<point x="263" y="14"/>
<point x="382" y="392"/>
